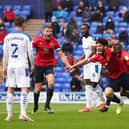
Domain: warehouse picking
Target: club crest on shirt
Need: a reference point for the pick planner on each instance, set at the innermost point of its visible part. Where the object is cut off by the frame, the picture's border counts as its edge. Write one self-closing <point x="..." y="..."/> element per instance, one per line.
<point x="40" y="43"/>
<point x="51" y="44"/>
<point x="45" y="49"/>
<point x="107" y="58"/>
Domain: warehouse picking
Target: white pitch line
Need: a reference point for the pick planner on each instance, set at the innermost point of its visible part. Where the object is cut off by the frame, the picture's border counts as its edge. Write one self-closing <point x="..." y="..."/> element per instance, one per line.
<point x="60" y="110"/>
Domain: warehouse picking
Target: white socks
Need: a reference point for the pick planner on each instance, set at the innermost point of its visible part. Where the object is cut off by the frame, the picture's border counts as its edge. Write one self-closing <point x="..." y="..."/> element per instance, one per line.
<point x="24" y="102"/>
<point x="9" y="102"/>
<point x="99" y="93"/>
<point x="88" y="93"/>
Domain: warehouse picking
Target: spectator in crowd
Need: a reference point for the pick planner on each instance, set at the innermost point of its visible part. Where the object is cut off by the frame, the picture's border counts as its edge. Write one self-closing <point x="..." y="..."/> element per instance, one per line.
<point x="113" y="5"/>
<point x="56" y="4"/>
<point x="110" y="26"/>
<point x="60" y="13"/>
<point x="71" y="25"/>
<point x="55" y="26"/>
<point x="67" y="48"/>
<point x="74" y="37"/>
<point x="93" y="4"/>
<point x="8" y="15"/>
<point x="76" y="83"/>
<point x="80" y="8"/>
<point x="63" y="28"/>
<point x="86" y="15"/>
<point x="67" y="5"/>
<point x="101" y="7"/>
<point x="96" y="17"/>
<point x="125" y="14"/>
<point x="3" y="33"/>
<point x="48" y="7"/>
<point x="100" y="28"/>
<point x="123" y="36"/>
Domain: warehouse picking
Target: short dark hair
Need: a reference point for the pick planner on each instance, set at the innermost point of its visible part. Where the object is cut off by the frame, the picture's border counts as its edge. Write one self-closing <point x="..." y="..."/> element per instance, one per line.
<point x="86" y="25"/>
<point x="47" y="26"/>
<point x="18" y="21"/>
<point x="102" y="41"/>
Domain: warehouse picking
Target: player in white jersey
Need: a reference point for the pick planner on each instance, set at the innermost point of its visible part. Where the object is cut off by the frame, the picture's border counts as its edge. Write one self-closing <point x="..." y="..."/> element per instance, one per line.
<point x="18" y="53"/>
<point x="91" y="72"/>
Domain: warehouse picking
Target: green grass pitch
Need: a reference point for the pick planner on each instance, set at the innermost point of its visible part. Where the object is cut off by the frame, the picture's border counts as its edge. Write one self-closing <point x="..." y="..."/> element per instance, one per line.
<point x="66" y="116"/>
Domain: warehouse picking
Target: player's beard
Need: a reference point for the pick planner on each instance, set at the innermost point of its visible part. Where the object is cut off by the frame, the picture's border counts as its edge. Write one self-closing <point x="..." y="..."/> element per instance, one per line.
<point x="86" y="34"/>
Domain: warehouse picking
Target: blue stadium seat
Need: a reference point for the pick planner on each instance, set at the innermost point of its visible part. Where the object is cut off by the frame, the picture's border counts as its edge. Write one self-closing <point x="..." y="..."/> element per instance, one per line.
<point x="1" y="8"/>
<point x="58" y="35"/>
<point x="7" y="6"/>
<point x="117" y="18"/>
<point x="96" y="36"/>
<point x="118" y="30"/>
<point x="3" y="86"/>
<point x="17" y="12"/>
<point x="79" y="47"/>
<point x="7" y="24"/>
<point x="78" y="19"/>
<point x="92" y="30"/>
<point x="66" y="87"/>
<point x="17" y="7"/>
<point x="117" y="13"/>
<point x="1" y="50"/>
<point x="104" y="82"/>
<point x="25" y="13"/>
<point x="26" y="7"/>
<point x="54" y="13"/>
<point x="121" y="7"/>
<point x="59" y="80"/>
<point x="107" y="35"/>
<point x="94" y="24"/>
<point x="78" y="52"/>
<point x="110" y="13"/>
<point x="123" y="25"/>
<point x="57" y="87"/>
<point x="75" y="7"/>
<point x="58" y="69"/>
<point x="72" y="13"/>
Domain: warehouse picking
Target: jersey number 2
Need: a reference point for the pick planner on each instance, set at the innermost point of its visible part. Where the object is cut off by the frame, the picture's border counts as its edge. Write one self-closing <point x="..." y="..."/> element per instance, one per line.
<point x="15" y="46"/>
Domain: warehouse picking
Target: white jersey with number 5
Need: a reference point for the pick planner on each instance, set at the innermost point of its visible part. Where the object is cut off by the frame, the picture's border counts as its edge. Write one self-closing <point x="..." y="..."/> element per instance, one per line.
<point x="18" y="48"/>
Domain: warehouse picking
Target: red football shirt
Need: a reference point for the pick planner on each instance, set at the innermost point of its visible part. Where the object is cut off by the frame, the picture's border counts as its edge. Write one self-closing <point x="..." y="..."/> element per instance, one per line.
<point x="125" y="58"/>
<point x="115" y="67"/>
<point x="45" y="50"/>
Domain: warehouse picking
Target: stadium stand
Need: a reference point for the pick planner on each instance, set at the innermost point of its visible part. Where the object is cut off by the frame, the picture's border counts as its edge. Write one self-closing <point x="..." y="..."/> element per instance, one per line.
<point x="33" y="26"/>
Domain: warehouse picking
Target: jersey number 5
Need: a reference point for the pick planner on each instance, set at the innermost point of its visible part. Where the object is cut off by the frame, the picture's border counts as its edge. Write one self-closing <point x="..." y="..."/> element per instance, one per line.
<point x="15" y="46"/>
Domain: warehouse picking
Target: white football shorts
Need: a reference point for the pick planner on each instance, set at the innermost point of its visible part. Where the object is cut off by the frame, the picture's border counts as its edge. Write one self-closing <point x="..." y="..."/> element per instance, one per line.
<point x="92" y="71"/>
<point x="18" y="77"/>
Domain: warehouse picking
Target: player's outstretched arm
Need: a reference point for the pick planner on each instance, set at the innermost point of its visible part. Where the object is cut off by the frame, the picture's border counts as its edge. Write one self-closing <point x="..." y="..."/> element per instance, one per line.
<point x="79" y="64"/>
<point x="63" y="58"/>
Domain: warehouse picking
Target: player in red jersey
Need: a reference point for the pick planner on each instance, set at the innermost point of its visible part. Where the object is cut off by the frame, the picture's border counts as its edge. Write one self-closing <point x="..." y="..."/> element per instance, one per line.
<point x="117" y="71"/>
<point x="44" y="65"/>
<point x="124" y="56"/>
